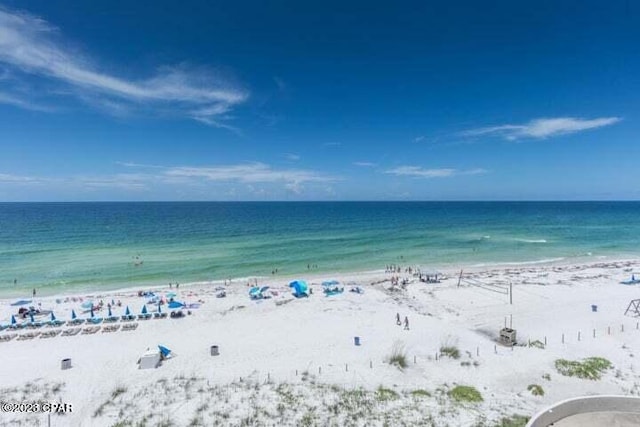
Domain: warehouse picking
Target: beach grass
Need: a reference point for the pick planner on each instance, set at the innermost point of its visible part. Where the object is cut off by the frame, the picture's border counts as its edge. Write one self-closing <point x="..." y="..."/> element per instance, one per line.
<point x="590" y="368"/>
<point x="464" y="393"/>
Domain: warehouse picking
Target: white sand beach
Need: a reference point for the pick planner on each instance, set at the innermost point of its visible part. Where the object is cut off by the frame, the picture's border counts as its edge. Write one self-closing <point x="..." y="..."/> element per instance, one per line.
<point x="289" y="361"/>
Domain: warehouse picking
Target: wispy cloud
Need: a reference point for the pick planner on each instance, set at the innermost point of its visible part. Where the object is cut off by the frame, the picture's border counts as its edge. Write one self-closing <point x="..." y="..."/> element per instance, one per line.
<point x="419" y="172"/>
<point x="31" y="46"/>
<point x="364" y="164"/>
<point x="250" y="173"/>
<point x="292" y="157"/>
<point x="418" y="138"/>
<point x="22" y="103"/>
<point x="543" y="128"/>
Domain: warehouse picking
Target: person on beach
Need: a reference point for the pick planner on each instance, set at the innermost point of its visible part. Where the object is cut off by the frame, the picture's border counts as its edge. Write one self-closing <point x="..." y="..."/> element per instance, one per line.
<point x="34" y="292"/>
<point x="398" y="322"/>
<point x="406" y="323"/>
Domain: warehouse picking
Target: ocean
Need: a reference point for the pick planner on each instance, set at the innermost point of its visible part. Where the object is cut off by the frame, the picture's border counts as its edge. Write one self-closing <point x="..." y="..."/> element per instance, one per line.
<point x="65" y="247"/>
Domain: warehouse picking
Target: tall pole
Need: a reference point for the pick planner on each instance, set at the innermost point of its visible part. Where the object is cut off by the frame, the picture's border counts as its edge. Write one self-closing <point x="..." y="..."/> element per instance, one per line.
<point x="460" y="278"/>
<point x="510" y="293"/>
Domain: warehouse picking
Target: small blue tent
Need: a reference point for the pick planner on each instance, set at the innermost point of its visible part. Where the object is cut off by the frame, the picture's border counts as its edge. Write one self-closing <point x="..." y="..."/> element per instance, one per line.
<point x="13" y="320"/>
<point x="73" y="315"/>
<point x="127" y="312"/>
<point x="164" y="351"/>
<point x="300" y="288"/>
<point x="175" y="304"/>
<point x="144" y="309"/>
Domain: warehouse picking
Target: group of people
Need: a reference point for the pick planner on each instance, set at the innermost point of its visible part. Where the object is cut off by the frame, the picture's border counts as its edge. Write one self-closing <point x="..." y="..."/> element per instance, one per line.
<point x="399" y="322"/>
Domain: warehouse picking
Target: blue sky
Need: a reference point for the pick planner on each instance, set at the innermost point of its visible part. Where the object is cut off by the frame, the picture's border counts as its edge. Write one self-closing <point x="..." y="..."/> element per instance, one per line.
<point x="290" y="100"/>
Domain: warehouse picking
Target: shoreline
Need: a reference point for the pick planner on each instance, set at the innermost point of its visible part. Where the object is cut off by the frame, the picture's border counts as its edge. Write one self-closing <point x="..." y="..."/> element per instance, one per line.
<point x="447" y="269"/>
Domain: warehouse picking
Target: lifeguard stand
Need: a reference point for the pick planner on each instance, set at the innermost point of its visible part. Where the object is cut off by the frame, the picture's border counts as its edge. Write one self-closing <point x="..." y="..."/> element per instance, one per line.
<point x="508" y="337"/>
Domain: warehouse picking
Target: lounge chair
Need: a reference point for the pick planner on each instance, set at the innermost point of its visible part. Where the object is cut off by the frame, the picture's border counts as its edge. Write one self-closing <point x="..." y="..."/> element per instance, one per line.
<point x="75" y="322"/>
<point x="145" y="316"/>
<point x="159" y="315"/>
<point x="70" y="332"/>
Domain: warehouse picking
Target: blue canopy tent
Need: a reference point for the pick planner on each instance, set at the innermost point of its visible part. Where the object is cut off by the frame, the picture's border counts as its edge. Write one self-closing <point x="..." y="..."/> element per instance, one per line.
<point x="175" y="304"/>
<point x="300" y="287"/>
<point x="332" y="287"/>
<point x="254" y="293"/>
<point x="144" y="309"/>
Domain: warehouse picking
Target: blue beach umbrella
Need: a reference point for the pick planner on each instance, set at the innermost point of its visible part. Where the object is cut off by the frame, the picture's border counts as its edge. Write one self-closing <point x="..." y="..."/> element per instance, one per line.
<point x="127" y="312"/>
<point x="73" y="315"/>
<point x="144" y="309"/>
<point x="110" y="315"/>
<point x="164" y="351"/>
<point x="53" y="317"/>
<point x="13" y="320"/>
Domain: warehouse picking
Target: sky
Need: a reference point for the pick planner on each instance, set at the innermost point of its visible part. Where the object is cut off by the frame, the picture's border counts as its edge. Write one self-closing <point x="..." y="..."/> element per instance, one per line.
<point x="331" y="100"/>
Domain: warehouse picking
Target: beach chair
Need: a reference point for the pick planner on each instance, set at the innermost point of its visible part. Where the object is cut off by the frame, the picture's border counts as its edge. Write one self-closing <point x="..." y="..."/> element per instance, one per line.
<point x="70" y="332"/>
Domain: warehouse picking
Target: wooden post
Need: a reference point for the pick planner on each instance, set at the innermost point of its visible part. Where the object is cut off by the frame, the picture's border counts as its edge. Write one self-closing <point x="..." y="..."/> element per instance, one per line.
<point x="495" y="348"/>
<point x="608" y="330"/>
<point x="622" y="328"/>
<point x="478" y="351"/>
<point x="414" y="359"/>
<point x="346" y="367"/>
<point x="296" y="372"/>
<point x="511" y="321"/>
<point x="505" y="322"/>
<point x="594" y="333"/>
<point x="459" y="278"/>
<point x="545" y="340"/>
<point x="436" y="355"/>
<point x="563" y="338"/>
<point x="319" y="369"/>
<point x="510" y="293"/>
<point x="370" y="364"/>
<point x="578" y="335"/>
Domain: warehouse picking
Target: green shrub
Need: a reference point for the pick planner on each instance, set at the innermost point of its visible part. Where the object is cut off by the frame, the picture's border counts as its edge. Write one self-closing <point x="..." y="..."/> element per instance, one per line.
<point x="383" y="394"/>
<point x="420" y="393"/>
<point x="590" y="368"/>
<point x="464" y="393"/>
<point x="398" y="356"/>
<point x="513" y="421"/>
<point x="536" y="390"/>
<point x="450" y="351"/>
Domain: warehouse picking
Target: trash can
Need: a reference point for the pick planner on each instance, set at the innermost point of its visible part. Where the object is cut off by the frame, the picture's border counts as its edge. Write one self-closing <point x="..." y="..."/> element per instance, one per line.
<point x="594" y="308"/>
<point x="356" y="340"/>
<point x="214" y="350"/>
<point x="66" y="364"/>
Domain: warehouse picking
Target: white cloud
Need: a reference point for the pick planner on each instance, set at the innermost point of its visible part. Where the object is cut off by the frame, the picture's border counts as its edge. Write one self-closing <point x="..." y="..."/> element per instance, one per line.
<point x="22" y="103"/>
<point x="292" y="157"/>
<point x="419" y="172"/>
<point x="543" y="128"/>
<point x="31" y="46"/>
<point x="250" y="173"/>
<point x="364" y="164"/>
<point x="6" y="178"/>
<point x="418" y="139"/>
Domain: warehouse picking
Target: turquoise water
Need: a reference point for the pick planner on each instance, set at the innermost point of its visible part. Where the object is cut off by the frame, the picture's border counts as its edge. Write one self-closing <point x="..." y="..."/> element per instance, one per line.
<point x="59" y="247"/>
